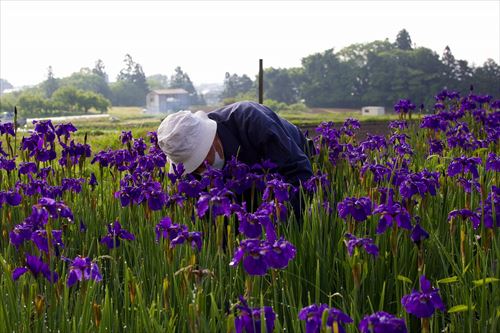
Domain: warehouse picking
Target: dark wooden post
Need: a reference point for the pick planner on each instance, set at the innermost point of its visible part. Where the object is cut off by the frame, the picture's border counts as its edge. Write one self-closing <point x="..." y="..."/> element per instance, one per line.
<point x="261" y="82"/>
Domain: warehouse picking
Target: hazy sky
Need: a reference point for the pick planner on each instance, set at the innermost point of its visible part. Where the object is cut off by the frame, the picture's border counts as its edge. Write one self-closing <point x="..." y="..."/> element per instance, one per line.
<point x="208" y="38"/>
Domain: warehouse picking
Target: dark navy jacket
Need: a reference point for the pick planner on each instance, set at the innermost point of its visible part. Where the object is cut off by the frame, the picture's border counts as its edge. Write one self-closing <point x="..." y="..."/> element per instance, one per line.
<point x="252" y="132"/>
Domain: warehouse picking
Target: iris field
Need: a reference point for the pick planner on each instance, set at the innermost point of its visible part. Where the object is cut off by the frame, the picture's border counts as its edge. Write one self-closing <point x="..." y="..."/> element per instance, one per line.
<point x="397" y="233"/>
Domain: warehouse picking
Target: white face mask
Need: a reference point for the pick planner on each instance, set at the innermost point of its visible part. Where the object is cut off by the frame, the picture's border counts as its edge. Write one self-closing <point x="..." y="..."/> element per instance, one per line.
<point x="218" y="161"/>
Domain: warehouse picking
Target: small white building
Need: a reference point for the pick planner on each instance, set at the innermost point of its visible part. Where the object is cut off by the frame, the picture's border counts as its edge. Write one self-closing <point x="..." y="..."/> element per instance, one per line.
<point x="372" y="111"/>
<point x="167" y="100"/>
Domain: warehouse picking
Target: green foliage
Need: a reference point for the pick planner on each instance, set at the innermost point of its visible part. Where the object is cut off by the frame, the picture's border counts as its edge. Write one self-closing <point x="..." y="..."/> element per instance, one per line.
<point x="131" y="87"/>
<point x="157" y="81"/>
<point x="50" y="85"/>
<point x="7" y="102"/>
<point x="279" y="85"/>
<point x="73" y="99"/>
<point x="181" y="80"/>
<point x="403" y="40"/>
<point x="87" y="80"/>
<point x="235" y="85"/>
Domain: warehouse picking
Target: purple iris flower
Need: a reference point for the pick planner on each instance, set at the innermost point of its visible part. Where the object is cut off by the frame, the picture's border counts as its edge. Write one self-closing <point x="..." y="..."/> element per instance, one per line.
<point x="313" y="315"/>
<point x="434" y="122"/>
<point x="104" y="158"/>
<point x="422" y="304"/>
<point x="7" y="128"/>
<point x="258" y="256"/>
<point x="354" y="154"/>
<point x="482" y="99"/>
<point x="191" y="187"/>
<point x="93" y="180"/>
<point x="140" y="146"/>
<point x="419" y="183"/>
<point x="451" y="94"/>
<point x="398" y="124"/>
<point x="466" y="214"/>
<point x="493" y="162"/>
<point x="36" y="266"/>
<point x="194" y="238"/>
<point x="435" y="147"/>
<point x="65" y="130"/>
<point x="166" y="229"/>
<point x="392" y="212"/>
<point x="358" y="208"/>
<point x="404" y="106"/>
<point x="39" y="237"/>
<point x="373" y="142"/>
<point x="115" y="233"/>
<point x="82" y="268"/>
<point x="418" y="234"/>
<point x="318" y="180"/>
<point x="382" y="322"/>
<point x="13" y="198"/>
<point x="72" y="154"/>
<point x="249" y="319"/>
<point x="349" y="125"/>
<point x="380" y="172"/>
<point x="20" y="234"/>
<point x="463" y="164"/>
<point x="253" y="253"/>
<point x="6" y="164"/>
<point x="56" y="209"/>
<point x="156" y="199"/>
<point x="367" y="243"/>
<point x="469" y="185"/>
<point x="251" y="224"/>
<point x="178" y="171"/>
<point x="280" y="253"/>
<point x="126" y="137"/>
<point x="27" y="167"/>
<point x="217" y="200"/>
<point x="277" y="189"/>
<point x="491" y="208"/>
<point x="72" y="184"/>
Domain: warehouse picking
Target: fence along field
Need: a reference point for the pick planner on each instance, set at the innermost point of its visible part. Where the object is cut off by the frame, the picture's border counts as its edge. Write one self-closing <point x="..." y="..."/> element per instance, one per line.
<point x="399" y="232"/>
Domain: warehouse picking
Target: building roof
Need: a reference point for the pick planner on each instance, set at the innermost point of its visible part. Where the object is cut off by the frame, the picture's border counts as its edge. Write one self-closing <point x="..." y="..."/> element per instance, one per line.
<point x="177" y="91"/>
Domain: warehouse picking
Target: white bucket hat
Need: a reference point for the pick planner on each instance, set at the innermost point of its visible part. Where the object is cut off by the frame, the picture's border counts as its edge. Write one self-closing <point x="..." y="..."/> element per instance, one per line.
<point x="186" y="138"/>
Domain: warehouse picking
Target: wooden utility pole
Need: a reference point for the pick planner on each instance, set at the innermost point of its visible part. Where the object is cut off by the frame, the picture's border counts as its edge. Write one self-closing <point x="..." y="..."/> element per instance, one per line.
<point x="261" y="82"/>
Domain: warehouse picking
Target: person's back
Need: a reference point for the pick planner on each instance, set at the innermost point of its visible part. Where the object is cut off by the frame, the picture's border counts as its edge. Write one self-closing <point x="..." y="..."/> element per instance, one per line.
<point x="252" y="132"/>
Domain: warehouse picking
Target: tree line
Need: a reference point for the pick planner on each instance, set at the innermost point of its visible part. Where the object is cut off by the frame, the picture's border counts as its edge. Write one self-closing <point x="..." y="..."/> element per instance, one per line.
<point x="90" y="89"/>
<point x="375" y="73"/>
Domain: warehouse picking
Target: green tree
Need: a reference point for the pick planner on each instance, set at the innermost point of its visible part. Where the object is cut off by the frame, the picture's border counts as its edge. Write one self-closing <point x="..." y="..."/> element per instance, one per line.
<point x="486" y="79"/>
<point x="280" y="86"/>
<point x="235" y="85"/>
<point x="7" y="102"/>
<point x="50" y="84"/>
<point x="157" y="81"/>
<point x="100" y="70"/>
<point x="131" y="87"/>
<point x="68" y="98"/>
<point x="32" y="104"/>
<point x="181" y="80"/>
<point x="403" y="40"/>
<point x="88" y="80"/>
